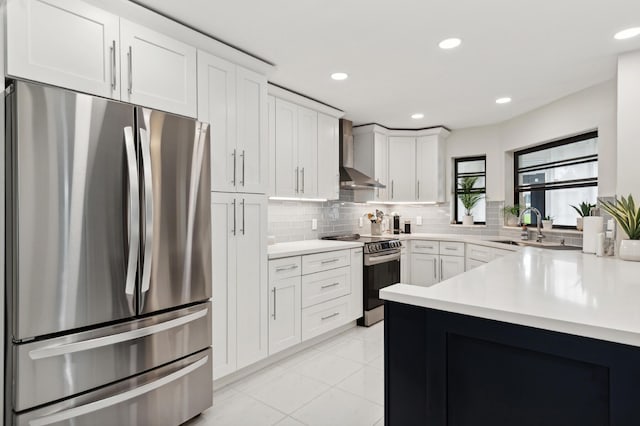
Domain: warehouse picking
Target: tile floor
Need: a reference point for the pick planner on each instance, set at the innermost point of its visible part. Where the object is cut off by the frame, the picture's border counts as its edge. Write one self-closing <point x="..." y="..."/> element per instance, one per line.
<point x="338" y="382"/>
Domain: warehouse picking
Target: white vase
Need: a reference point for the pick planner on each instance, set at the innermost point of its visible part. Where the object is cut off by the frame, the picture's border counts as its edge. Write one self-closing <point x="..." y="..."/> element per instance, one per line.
<point x="376" y="229"/>
<point x="629" y="250"/>
<point x="467" y="220"/>
<point x="547" y="224"/>
<point x="579" y="223"/>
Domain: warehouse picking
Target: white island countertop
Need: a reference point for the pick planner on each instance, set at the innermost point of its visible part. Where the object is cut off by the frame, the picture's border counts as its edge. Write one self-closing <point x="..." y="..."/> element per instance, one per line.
<point x="564" y="291"/>
<point x="298" y="248"/>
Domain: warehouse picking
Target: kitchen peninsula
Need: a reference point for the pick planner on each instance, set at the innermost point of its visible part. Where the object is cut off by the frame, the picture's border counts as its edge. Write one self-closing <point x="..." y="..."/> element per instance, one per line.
<point x="536" y="337"/>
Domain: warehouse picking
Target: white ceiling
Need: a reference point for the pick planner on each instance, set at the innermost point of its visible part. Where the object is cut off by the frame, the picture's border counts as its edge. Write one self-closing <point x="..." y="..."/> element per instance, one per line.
<point x="532" y="51"/>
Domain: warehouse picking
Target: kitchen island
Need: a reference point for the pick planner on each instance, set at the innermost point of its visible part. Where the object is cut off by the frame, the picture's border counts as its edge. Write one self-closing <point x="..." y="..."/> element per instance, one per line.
<point x="538" y="337"/>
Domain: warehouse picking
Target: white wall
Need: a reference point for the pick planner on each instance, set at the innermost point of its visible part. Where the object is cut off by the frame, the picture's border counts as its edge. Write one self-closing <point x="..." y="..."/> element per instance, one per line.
<point x="591" y="108"/>
<point x="628" y="172"/>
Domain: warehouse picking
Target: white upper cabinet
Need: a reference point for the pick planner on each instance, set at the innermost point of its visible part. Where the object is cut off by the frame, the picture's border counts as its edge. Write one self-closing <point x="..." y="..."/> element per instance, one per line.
<point x="328" y="157"/>
<point x="307" y="152"/>
<point x="74" y="45"/>
<point x="286" y="149"/>
<point x="402" y="168"/>
<point x="217" y="106"/>
<point x="411" y="163"/>
<point x="304" y="139"/>
<point x="65" y="43"/>
<point x="158" y="71"/>
<point x="430" y="169"/>
<point x="234" y="101"/>
<point x="253" y="149"/>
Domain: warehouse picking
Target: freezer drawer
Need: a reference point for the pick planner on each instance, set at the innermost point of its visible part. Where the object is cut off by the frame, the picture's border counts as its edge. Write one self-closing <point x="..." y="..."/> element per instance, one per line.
<point x="169" y="395"/>
<point x="53" y="369"/>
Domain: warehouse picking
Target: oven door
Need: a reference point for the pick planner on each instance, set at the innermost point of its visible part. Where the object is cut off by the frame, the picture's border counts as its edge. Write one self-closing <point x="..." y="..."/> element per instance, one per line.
<point x="380" y="271"/>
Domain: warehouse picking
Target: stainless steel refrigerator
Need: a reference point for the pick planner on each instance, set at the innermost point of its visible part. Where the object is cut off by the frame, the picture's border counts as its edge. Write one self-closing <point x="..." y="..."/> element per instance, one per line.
<point x="108" y="261"/>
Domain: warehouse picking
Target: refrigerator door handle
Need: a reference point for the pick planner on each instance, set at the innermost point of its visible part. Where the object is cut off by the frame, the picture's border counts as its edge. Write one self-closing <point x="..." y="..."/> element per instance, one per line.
<point x="148" y="210"/>
<point x="92" y="407"/>
<point x="99" y="342"/>
<point x="134" y="211"/>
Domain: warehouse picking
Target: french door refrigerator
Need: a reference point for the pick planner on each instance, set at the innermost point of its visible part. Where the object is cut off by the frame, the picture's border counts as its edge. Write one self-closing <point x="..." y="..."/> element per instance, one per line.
<point x="108" y="262"/>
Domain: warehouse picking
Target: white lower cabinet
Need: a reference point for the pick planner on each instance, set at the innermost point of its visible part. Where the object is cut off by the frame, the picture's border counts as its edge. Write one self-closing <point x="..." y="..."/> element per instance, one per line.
<point x="472" y="263"/>
<point x="284" y="313"/>
<point x="313" y="294"/>
<point x="240" y="305"/>
<point x="451" y="266"/>
<point x="425" y="269"/>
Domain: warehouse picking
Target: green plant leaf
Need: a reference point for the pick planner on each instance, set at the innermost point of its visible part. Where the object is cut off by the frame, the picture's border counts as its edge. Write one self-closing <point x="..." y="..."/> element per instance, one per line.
<point x="625" y="213"/>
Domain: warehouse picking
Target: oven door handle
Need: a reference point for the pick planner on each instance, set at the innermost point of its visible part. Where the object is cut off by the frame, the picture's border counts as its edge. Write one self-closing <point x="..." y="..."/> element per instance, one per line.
<point x="376" y="260"/>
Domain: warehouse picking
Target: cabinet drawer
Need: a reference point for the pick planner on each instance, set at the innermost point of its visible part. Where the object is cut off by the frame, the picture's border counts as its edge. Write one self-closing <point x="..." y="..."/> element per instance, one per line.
<point x="284" y="268"/>
<point x="324" y="317"/>
<point x="449" y="248"/>
<point x="481" y="253"/>
<point x="498" y="253"/>
<point x="473" y="263"/>
<point x="426" y="247"/>
<point x="324" y="261"/>
<point x="327" y="285"/>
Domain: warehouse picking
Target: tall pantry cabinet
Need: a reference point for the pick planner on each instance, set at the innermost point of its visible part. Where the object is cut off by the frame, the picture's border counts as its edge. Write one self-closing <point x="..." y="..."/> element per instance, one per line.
<point x="234" y="101"/>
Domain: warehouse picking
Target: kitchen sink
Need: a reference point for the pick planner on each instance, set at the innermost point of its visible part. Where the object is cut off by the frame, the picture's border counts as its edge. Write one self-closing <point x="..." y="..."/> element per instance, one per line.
<point x="549" y="246"/>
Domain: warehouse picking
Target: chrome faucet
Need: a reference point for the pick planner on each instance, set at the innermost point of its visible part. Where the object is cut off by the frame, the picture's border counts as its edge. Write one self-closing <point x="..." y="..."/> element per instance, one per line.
<point x="539" y="237"/>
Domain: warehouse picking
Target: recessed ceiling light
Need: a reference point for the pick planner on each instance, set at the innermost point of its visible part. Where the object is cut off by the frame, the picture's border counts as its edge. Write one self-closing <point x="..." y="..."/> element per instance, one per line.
<point x="504" y="100"/>
<point x="449" y="43"/>
<point x="339" y="76"/>
<point x="628" y="33"/>
<point x="417" y="116"/>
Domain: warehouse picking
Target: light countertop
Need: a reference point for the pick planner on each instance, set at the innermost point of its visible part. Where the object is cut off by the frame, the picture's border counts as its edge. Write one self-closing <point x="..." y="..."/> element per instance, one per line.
<point x="298" y="248"/>
<point x="484" y="240"/>
<point x="564" y="291"/>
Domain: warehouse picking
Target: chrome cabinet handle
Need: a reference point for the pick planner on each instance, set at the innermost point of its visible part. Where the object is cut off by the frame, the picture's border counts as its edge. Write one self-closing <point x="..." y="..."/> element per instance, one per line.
<point x="378" y="189"/>
<point x="451" y="248"/>
<point x="233" y="231"/>
<point x="441" y="267"/>
<point x="297" y="179"/>
<point x="302" y="173"/>
<point x="335" y="314"/>
<point x="233" y="182"/>
<point x="130" y="60"/>
<point x="274" y="302"/>
<point x="425" y="247"/>
<point x="324" y="262"/>
<point x="418" y="191"/>
<point x="113" y="65"/>
<point x="148" y="208"/>
<point x="242" y="156"/>
<point x="92" y="407"/>
<point x="392" y="189"/>
<point x="243" y="209"/>
<point x="329" y="285"/>
<point x="134" y="211"/>
<point x="435" y="276"/>
<point x="286" y="268"/>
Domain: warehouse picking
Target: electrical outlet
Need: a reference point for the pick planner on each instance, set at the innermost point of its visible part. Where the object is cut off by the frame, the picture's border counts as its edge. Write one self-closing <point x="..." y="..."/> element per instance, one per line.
<point x="418" y="220"/>
<point x="360" y="222"/>
<point x="314" y="224"/>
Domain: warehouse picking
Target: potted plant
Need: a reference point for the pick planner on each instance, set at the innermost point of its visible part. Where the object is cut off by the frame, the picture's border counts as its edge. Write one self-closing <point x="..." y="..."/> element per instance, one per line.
<point x="511" y="214"/>
<point x="547" y="222"/>
<point x="584" y="209"/>
<point x="468" y="198"/>
<point x="627" y="216"/>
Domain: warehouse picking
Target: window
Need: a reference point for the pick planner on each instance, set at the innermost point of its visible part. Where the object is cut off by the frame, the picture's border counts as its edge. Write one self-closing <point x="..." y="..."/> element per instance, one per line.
<point x="556" y="175"/>
<point x="471" y="167"/>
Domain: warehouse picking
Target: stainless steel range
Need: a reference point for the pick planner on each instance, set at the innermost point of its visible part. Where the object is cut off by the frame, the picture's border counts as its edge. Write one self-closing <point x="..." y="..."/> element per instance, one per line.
<point x="381" y="268"/>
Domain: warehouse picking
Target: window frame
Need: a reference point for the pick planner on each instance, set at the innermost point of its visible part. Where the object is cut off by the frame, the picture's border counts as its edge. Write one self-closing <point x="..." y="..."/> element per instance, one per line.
<point x="569" y="184"/>
<point x="455" y="184"/>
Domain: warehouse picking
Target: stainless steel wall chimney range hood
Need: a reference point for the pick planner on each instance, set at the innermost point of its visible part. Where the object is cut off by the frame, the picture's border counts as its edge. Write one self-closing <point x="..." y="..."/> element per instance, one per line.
<point x="350" y="178"/>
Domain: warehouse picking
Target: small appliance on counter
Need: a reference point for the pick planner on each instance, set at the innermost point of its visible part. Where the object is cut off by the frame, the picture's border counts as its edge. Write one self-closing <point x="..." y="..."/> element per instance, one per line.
<point x="407" y="226"/>
<point x="396" y="223"/>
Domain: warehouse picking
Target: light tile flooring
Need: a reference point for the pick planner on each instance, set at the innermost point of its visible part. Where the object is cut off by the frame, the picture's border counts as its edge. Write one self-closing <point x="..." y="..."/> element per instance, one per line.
<point x="337" y="382"/>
